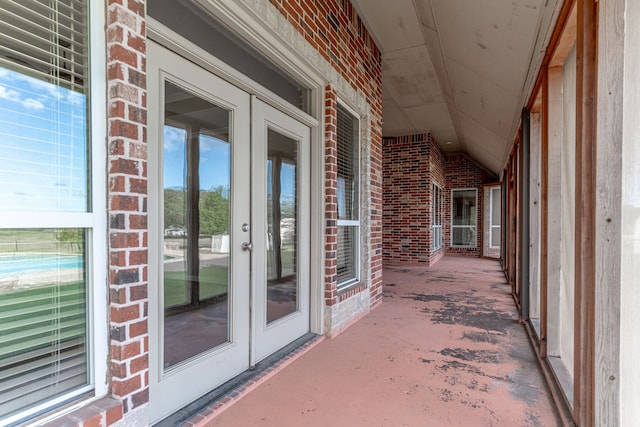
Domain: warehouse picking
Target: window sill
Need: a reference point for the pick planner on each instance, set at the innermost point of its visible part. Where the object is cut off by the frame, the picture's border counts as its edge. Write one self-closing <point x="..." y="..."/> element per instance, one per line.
<point x="351" y="290"/>
<point x="102" y="412"/>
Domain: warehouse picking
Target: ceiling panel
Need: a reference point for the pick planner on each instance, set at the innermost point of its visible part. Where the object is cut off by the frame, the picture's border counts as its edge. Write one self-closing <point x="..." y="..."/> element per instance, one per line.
<point x="429" y="117"/>
<point x="483" y="100"/>
<point x="394" y="121"/>
<point x="409" y="77"/>
<point x="459" y="68"/>
<point x="394" y="24"/>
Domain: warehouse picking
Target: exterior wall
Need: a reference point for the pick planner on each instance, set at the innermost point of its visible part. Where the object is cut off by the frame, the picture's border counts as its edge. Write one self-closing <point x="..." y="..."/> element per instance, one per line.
<point x="407" y="199"/>
<point x="336" y="32"/>
<point x="411" y="165"/>
<point x="337" y="40"/>
<point x="460" y="173"/>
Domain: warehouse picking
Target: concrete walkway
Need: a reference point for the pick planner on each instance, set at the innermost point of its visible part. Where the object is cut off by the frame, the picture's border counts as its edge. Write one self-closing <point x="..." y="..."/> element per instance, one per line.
<point x="443" y="349"/>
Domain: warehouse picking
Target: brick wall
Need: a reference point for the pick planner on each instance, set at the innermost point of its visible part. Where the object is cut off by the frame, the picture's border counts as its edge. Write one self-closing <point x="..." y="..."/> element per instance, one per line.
<point x="437" y="164"/>
<point x="411" y="165"/>
<point x="407" y="199"/>
<point x="339" y="35"/>
<point x="127" y="197"/>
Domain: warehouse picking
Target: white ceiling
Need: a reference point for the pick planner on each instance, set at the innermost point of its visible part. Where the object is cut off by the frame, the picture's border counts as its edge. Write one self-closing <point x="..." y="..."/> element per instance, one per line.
<point x="460" y="69"/>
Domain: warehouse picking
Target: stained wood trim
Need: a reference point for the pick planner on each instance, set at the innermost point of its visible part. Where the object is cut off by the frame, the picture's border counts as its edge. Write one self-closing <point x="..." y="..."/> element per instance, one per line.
<point x="584" y="339"/>
<point x="558" y="30"/>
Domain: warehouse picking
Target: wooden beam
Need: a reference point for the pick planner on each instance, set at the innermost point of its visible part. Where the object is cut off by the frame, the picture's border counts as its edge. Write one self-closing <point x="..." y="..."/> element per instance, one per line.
<point x="584" y="340"/>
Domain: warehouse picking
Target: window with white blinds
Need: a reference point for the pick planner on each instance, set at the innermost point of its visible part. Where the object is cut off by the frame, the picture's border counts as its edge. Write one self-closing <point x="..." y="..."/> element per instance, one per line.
<point x="348" y="198"/>
<point x="45" y="177"/>
<point x="436" y="216"/>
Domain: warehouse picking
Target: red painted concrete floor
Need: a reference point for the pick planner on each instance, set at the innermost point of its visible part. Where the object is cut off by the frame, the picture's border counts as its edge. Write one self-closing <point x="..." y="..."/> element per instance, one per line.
<point x="443" y="349"/>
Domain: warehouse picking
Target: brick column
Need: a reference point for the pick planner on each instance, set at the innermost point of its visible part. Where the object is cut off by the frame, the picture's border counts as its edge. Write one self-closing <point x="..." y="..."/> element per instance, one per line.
<point x="127" y="202"/>
<point x="331" y="200"/>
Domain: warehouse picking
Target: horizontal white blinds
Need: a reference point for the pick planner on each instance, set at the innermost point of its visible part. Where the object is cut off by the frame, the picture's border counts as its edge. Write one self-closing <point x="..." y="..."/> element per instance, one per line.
<point x="42" y="335"/>
<point x="348" y="198"/>
<point x="45" y="39"/>
<point x="43" y="106"/>
<point x="348" y="167"/>
<point x="44" y="151"/>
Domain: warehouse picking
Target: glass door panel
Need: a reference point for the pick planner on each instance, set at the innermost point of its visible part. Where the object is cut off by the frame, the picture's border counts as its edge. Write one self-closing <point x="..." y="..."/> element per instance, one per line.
<point x="282" y="232"/>
<point x="280" y="262"/>
<point x="199" y="199"/>
<point x="196" y="214"/>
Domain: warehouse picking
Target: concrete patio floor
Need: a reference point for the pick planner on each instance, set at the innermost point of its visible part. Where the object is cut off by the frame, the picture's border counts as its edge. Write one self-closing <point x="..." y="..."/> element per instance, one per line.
<point x="443" y="349"/>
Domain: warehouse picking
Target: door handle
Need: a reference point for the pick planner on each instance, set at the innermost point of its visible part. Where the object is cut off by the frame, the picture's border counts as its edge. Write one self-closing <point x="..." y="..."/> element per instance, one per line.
<point x="247" y="246"/>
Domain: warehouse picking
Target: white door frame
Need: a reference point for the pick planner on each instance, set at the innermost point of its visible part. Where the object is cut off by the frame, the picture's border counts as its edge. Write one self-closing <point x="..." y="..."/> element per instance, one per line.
<point x="309" y="75"/>
<point x="268" y="338"/>
<point x="230" y="359"/>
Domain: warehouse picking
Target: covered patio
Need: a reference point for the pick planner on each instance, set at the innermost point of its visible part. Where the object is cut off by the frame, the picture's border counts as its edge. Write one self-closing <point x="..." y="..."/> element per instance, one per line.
<point x="444" y="348"/>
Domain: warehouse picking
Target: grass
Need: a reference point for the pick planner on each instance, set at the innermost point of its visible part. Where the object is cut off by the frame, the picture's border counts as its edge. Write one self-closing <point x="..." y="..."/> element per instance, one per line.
<point x="213" y="282"/>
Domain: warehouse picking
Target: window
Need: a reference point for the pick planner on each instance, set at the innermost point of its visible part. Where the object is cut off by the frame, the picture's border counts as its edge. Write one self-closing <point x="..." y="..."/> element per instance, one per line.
<point x="48" y="193"/>
<point x="348" y="194"/>
<point x="437" y="217"/>
<point x="494" y="235"/>
<point x="463" y="218"/>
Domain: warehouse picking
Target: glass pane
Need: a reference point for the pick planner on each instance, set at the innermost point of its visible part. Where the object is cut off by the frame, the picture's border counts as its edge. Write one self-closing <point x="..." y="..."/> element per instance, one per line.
<point x="463" y="236"/>
<point x="43" y="315"/>
<point x="495" y="206"/>
<point x="43" y="145"/>
<point x="348" y="166"/>
<point x="495" y="237"/>
<point x="347" y="256"/>
<point x="464" y="207"/>
<point x="196" y="225"/>
<point x="206" y="32"/>
<point x="282" y="232"/>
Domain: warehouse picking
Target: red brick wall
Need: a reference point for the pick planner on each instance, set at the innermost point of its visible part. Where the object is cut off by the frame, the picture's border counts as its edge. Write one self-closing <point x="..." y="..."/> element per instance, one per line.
<point x="339" y="35"/>
<point x="437" y="164"/>
<point x="127" y="201"/>
<point x="411" y="165"/>
<point x="407" y="200"/>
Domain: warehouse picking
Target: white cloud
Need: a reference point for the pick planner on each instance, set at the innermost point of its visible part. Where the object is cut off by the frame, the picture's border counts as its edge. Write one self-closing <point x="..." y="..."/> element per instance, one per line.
<point x="9" y="94"/>
<point x="174" y="139"/>
<point x="32" y="104"/>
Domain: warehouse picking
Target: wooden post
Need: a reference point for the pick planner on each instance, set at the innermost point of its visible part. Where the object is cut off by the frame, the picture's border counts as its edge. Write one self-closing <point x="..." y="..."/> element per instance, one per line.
<point x="584" y="342"/>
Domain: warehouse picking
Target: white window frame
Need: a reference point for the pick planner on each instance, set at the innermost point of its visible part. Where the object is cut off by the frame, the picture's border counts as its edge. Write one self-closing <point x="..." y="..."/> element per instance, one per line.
<point x="356" y="224"/>
<point x="94" y="221"/>
<point x="436" y="205"/>
<point x="474" y="227"/>
<point x="491" y="224"/>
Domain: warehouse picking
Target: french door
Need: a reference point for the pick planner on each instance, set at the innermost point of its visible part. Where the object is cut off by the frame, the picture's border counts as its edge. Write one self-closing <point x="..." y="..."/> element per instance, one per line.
<point x="228" y="230"/>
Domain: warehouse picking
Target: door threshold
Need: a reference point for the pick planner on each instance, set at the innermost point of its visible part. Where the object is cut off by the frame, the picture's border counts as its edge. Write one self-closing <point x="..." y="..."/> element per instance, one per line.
<point x="218" y="399"/>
